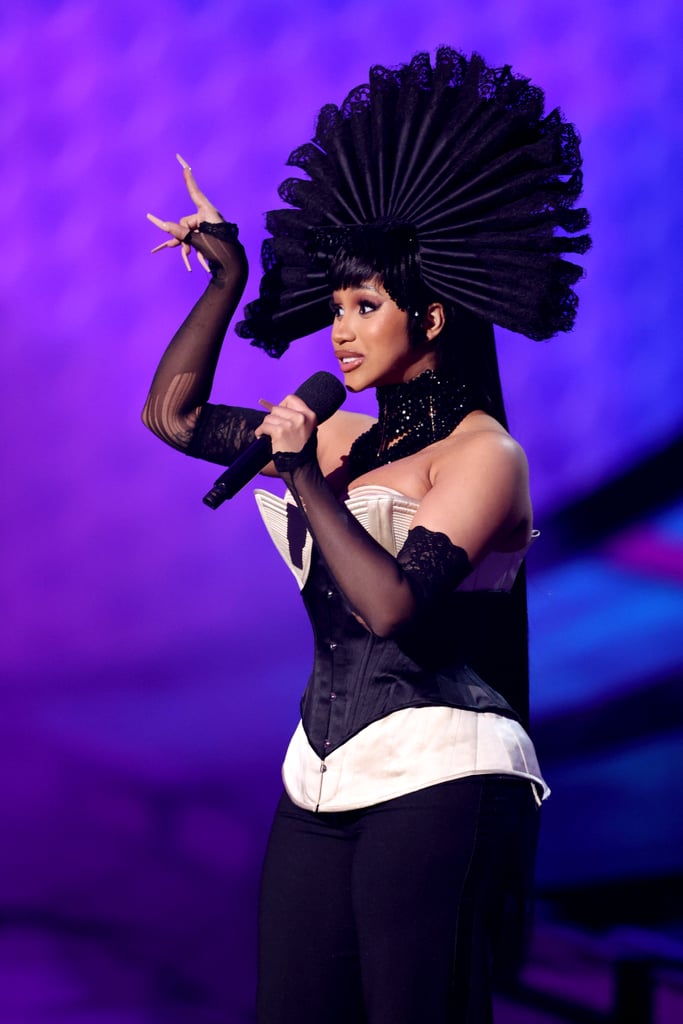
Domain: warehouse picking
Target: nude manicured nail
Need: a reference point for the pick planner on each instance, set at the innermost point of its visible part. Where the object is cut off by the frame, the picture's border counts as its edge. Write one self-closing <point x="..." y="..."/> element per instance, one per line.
<point x="183" y="163"/>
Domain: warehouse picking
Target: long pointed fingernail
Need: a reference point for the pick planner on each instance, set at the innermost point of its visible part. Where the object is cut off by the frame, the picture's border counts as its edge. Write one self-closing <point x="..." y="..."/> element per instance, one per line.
<point x="183" y="163"/>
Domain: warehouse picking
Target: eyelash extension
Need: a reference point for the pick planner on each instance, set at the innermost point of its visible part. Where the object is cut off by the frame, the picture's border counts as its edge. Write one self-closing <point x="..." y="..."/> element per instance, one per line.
<point x="370" y="306"/>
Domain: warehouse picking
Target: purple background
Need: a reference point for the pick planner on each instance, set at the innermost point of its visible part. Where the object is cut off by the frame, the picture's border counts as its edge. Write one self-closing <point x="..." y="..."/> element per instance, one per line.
<point x="153" y="651"/>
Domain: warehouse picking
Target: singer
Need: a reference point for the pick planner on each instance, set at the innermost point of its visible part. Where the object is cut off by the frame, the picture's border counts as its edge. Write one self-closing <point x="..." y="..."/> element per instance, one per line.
<point x="437" y="201"/>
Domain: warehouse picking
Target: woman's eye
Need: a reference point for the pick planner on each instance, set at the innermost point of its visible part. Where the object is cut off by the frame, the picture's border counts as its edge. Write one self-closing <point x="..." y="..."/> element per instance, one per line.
<point x="367" y="307"/>
<point x="336" y="310"/>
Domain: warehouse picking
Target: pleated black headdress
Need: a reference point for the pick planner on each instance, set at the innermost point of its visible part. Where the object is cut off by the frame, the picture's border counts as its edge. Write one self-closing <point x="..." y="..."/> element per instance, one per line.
<point x="450" y="175"/>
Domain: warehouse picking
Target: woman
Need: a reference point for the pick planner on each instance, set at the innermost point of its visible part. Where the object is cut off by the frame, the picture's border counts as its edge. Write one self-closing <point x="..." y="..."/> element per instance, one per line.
<point x="404" y="840"/>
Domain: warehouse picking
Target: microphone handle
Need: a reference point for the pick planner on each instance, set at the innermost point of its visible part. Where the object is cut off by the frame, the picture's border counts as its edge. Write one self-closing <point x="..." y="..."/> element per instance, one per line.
<point x="322" y="392"/>
<point x="240" y="472"/>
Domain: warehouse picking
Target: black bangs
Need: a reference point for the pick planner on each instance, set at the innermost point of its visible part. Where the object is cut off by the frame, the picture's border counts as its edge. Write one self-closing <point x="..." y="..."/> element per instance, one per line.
<point x="351" y="270"/>
<point x="384" y="253"/>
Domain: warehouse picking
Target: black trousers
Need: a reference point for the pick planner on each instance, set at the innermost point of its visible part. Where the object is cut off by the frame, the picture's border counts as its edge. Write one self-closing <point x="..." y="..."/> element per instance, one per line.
<point x="394" y="914"/>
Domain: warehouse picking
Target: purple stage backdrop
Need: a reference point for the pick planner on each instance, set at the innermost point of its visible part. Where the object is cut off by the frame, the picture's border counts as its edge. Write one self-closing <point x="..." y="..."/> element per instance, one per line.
<point x="153" y="651"/>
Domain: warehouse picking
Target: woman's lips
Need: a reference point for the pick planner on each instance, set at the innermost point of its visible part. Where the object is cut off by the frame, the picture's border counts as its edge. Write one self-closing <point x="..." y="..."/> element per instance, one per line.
<point x="349" y="361"/>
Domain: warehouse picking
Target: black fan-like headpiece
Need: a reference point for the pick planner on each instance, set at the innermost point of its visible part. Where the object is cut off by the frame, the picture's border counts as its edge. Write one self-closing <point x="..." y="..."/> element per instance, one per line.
<point x="449" y="173"/>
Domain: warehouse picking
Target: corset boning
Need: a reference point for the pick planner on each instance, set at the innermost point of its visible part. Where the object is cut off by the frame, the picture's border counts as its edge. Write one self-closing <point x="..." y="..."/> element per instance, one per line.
<point x="358" y="678"/>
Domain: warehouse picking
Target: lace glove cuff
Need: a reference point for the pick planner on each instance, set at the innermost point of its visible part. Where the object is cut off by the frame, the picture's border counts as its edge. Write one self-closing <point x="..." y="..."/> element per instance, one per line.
<point x="223" y="432"/>
<point x="224" y="231"/>
<point x="433" y="564"/>
<point x="219" y="243"/>
<point x="287" y="462"/>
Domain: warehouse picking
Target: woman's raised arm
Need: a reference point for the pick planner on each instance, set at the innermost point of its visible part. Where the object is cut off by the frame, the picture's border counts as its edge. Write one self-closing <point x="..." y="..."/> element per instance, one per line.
<point x="182" y="383"/>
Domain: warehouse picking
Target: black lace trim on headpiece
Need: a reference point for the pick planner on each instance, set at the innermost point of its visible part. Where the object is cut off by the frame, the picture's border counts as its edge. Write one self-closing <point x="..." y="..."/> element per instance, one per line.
<point x="411" y="416"/>
<point x="461" y="155"/>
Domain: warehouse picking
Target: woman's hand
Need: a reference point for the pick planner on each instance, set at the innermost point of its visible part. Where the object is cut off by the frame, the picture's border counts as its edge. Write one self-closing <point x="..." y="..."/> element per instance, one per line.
<point x="206" y="211"/>
<point x="289" y="425"/>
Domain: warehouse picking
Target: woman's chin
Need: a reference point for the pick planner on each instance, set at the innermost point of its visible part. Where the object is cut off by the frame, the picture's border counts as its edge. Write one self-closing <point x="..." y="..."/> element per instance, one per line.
<point x="355" y="382"/>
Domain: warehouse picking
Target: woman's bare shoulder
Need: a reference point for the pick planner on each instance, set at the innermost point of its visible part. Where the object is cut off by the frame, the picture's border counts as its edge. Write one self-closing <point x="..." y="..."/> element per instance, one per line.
<point x="480" y="444"/>
<point x="479" y="494"/>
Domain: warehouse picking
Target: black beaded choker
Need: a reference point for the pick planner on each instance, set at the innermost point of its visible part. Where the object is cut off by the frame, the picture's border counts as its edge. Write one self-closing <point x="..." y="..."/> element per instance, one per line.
<point x="412" y="415"/>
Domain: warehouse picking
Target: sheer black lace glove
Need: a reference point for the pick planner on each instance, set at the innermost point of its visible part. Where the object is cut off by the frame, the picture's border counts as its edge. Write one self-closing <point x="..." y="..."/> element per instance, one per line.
<point x="386" y="593"/>
<point x="176" y="409"/>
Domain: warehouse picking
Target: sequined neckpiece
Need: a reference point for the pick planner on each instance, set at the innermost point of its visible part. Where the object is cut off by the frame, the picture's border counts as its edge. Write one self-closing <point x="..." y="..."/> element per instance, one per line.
<point x="411" y="416"/>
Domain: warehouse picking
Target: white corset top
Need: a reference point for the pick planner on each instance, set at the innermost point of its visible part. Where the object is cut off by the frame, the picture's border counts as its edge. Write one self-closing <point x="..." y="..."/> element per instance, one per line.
<point x="386" y="514"/>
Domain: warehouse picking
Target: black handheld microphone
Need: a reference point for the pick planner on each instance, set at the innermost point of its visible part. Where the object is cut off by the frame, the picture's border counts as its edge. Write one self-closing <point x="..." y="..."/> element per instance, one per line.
<point x="323" y="393"/>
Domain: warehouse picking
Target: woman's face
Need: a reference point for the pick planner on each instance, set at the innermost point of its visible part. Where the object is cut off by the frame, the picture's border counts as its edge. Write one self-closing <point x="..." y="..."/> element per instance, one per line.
<point x="371" y="341"/>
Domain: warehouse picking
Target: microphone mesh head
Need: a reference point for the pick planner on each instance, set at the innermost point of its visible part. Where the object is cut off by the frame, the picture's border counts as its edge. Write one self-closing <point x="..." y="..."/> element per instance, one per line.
<point x="323" y="393"/>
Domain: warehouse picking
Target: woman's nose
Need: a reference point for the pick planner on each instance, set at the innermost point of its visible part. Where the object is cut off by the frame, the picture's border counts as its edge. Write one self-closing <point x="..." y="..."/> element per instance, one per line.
<point x="341" y="329"/>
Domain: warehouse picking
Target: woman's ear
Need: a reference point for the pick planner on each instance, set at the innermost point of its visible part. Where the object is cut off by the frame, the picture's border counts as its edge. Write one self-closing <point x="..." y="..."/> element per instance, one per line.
<point x="433" y="320"/>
